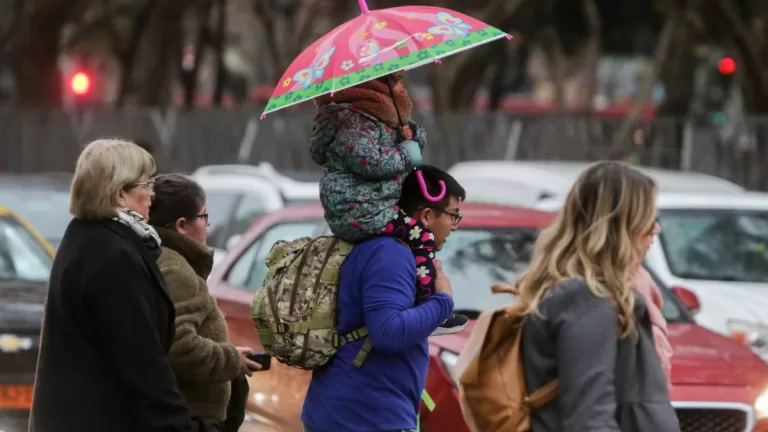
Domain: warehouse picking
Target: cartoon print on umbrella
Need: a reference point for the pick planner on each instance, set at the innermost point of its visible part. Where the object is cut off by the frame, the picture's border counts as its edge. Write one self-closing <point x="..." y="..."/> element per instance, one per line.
<point x="375" y="43"/>
<point x="451" y="25"/>
<point x="307" y="76"/>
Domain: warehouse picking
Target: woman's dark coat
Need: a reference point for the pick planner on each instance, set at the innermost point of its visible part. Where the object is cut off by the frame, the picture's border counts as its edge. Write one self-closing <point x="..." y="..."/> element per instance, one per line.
<point x="108" y="325"/>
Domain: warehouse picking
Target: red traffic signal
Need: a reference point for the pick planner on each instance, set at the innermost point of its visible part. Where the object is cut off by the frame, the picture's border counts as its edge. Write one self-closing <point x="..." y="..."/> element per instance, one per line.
<point x="80" y="83"/>
<point x="726" y="66"/>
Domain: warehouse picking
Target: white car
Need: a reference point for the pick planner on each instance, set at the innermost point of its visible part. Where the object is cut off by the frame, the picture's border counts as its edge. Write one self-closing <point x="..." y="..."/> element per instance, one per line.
<point x="238" y="194"/>
<point x="525" y="183"/>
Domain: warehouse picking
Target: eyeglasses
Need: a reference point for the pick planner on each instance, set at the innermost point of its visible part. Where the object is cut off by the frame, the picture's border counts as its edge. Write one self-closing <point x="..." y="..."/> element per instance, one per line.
<point x="200" y="216"/>
<point x="455" y="217"/>
<point x="148" y="185"/>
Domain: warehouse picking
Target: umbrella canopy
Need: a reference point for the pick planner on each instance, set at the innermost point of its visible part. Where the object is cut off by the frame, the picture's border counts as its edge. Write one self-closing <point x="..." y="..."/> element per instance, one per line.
<point x="374" y="44"/>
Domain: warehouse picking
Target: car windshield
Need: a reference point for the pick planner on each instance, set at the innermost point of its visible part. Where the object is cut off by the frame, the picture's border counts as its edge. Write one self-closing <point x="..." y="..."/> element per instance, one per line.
<point x="724" y="245"/>
<point x="45" y="209"/>
<point x="22" y="257"/>
<point x="476" y="258"/>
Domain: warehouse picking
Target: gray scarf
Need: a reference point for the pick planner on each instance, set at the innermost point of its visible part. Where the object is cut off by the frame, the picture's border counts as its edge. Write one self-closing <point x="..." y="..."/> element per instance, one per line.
<point x="140" y="226"/>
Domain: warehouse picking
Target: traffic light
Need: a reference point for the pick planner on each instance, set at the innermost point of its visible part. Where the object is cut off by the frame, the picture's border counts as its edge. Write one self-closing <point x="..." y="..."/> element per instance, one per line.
<point x="720" y="90"/>
<point x="726" y="66"/>
<point x="80" y="84"/>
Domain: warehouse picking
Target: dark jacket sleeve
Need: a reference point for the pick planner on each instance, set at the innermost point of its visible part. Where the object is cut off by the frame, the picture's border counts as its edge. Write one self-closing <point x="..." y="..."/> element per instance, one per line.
<point x="122" y="305"/>
<point x="586" y="329"/>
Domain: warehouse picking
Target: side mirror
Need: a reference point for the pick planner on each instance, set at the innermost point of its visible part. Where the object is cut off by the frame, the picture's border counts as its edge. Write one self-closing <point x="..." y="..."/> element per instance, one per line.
<point x="688" y="298"/>
<point x="232" y="241"/>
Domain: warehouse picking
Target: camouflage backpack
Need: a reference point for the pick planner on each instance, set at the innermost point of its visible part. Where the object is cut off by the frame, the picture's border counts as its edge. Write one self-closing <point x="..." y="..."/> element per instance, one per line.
<point x="295" y="310"/>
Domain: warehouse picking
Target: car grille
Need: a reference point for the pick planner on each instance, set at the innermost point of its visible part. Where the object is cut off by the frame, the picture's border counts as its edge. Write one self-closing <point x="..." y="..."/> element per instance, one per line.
<point x="712" y="420"/>
<point x="22" y="361"/>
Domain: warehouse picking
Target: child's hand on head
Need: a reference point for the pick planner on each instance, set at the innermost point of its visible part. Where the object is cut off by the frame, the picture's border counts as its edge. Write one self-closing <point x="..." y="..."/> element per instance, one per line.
<point x="406" y="132"/>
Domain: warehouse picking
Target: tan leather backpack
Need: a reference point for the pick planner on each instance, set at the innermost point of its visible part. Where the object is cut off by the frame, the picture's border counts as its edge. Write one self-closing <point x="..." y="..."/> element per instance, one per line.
<point x="492" y="390"/>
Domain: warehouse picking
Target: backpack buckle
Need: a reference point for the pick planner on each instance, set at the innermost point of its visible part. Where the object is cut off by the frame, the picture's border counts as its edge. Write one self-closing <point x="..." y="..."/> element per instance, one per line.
<point x="281" y="328"/>
<point x="335" y="342"/>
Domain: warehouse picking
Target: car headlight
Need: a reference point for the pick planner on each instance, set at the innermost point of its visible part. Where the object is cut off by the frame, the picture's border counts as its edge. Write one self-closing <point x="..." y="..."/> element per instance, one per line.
<point x="761" y="406"/>
<point x="449" y="360"/>
<point x="753" y="334"/>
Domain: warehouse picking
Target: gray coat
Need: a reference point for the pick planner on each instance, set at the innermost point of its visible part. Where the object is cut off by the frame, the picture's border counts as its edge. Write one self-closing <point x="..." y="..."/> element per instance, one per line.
<point x="606" y="384"/>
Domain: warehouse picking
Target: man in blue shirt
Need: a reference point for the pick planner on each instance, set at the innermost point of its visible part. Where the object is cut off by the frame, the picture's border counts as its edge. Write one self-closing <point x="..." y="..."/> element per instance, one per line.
<point x="378" y="288"/>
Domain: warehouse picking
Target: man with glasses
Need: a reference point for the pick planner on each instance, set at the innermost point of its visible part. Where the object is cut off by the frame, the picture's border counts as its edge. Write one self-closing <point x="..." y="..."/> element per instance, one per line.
<point x="378" y="291"/>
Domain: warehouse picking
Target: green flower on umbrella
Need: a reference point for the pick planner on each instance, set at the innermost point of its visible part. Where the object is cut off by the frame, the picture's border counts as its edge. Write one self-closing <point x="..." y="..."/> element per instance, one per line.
<point x="344" y="81"/>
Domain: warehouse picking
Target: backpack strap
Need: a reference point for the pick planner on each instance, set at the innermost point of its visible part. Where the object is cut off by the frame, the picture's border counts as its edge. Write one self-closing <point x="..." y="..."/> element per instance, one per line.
<point x="542" y="395"/>
<point x="341" y="340"/>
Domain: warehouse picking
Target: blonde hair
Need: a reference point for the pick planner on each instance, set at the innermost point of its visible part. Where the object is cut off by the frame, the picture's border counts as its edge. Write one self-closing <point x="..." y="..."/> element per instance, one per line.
<point x="104" y="167"/>
<point x="592" y="239"/>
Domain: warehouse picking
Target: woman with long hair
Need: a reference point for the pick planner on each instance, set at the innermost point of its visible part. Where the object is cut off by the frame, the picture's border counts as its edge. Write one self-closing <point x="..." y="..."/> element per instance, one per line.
<point x="586" y="325"/>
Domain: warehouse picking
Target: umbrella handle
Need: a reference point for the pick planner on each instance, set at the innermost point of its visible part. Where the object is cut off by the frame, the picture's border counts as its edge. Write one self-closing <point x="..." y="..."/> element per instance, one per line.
<point x="425" y="192"/>
<point x="363" y="6"/>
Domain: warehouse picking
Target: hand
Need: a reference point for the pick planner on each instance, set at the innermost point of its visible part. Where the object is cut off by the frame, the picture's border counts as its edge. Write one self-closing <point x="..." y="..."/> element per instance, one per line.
<point x="247" y="367"/>
<point x="406" y="132"/>
<point x="442" y="284"/>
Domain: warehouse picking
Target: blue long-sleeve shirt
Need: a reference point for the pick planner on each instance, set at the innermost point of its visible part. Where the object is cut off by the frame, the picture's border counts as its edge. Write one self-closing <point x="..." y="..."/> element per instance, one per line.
<point x="378" y="287"/>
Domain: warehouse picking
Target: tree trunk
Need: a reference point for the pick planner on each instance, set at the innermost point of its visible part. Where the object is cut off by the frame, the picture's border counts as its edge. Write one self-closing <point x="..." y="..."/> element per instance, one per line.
<point x="158" y="55"/>
<point x="190" y="77"/>
<point x="128" y="53"/>
<point x="675" y="24"/>
<point x="221" y="68"/>
<point x="593" y="51"/>
<point x="34" y="52"/>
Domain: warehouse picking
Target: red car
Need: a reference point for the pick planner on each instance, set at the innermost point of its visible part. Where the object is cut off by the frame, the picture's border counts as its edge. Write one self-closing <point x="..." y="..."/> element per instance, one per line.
<point x="718" y="383"/>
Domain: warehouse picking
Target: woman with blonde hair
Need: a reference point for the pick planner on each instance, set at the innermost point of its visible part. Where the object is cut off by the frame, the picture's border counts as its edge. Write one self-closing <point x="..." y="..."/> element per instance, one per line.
<point x="586" y="325"/>
<point x="109" y="321"/>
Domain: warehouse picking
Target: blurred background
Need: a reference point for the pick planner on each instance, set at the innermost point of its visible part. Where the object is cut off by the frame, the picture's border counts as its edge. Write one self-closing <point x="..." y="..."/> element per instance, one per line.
<point x="677" y="87"/>
<point x="680" y="84"/>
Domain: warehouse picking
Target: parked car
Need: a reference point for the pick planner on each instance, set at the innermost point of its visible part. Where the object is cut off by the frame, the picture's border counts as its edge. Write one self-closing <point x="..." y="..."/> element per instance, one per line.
<point x="238" y="194"/>
<point x="42" y="199"/>
<point x="524" y="183"/>
<point x="717" y="381"/>
<point x="25" y="266"/>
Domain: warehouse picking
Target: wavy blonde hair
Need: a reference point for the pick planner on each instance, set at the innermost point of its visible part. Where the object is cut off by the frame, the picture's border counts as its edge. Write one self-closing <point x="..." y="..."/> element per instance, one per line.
<point x="592" y="239"/>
